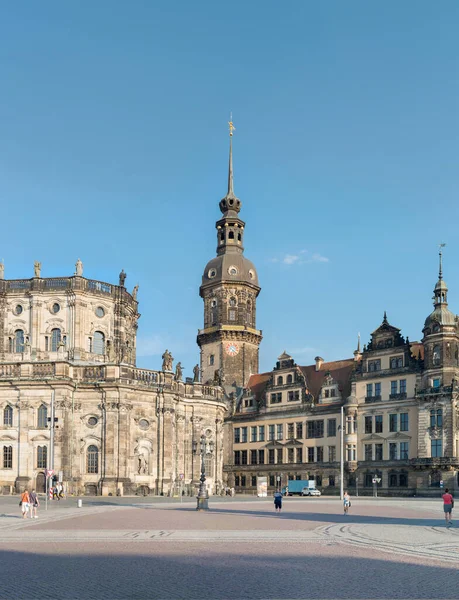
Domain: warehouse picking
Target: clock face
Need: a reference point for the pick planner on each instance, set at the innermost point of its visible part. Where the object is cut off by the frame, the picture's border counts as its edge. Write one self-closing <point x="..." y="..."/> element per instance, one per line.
<point x="232" y="349"/>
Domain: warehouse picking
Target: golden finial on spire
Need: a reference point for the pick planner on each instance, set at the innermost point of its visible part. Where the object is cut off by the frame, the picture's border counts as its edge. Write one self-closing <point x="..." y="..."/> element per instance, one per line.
<point x="231" y="126"/>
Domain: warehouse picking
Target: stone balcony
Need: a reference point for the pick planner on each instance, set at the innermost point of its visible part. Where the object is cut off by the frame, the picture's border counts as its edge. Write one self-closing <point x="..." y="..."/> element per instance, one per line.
<point x="106" y="373"/>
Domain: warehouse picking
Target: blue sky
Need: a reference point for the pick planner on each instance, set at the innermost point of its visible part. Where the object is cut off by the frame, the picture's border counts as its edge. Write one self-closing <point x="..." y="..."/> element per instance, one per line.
<point x="114" y="145"/>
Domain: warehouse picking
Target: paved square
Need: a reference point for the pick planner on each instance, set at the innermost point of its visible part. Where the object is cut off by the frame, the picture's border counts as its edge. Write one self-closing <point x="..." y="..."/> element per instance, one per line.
<point x="152" y="548"/>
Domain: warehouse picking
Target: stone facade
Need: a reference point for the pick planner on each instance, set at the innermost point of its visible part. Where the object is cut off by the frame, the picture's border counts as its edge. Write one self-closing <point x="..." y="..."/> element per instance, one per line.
<point x="400" y="415"/>
<point x="68" y="359"/>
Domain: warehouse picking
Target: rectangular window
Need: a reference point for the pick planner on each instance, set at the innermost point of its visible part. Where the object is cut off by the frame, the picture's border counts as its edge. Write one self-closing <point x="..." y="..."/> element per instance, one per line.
<point x="369" y="390"/>
<point x="243" y="480"/>
<point x="331" y="428"/>
<point x="272" y="481"/>
<point x="378" y="424"/>
<point x="7" y="457"/>
<point x="232" y="315"/>
<point x="270" y="432"/>
<point x="299" y="455"/>
<point x="237" y="435"/>
<point x="392" y="451"/>
<point x="332" y="453"/>
<point x="290" y="431"/>
<point x="368" y="451"/>
<point x="237" y="457"/>
<point x="393" y="423"/>
<point x="293" y="396"/>
<point x="374" y="365"/>
<point x="46" y="343"/>
<point x="403" y="421"/>
<point x="436" y="383"/>
<point x="261" y="457"/>
<point x="299" y="431"/>
<point x="393" y="387"/>
<point x="351" y="452"/>
<point x="253" y="434"/>
<point x="253" y="457"/>
<point x="280" y="431"/>
<point x="403" y="386"/>
<point x="271" y="457"/>
<point x="310" y="454"/>
<point x="315" y="429"/>
<point x="320" y="454"/>
<point x="261" y="433"/>
<point x="436" y="448"/>
<point x="244" y="457"/>
<point x="254" y="481"/>
<point x="291" y="455"/>
<point x="237" y="480"/>
<point x="368" y="424"/>
<point x="279" y="456"/>
<point x="211" y="360"/>
<point x="276" y="398"/>
<point x="244" y="435"/>
<point x="378" y="451"/>
<point x="403" y="450"/>
<point x="378" y="389"/>
<point x="42" y="457"/>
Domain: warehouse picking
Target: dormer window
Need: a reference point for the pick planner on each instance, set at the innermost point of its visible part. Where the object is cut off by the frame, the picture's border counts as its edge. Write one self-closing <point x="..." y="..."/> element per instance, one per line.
<point x="396" y="362"/>
<point x="289" y="378"/>
<point x="374" y="365"/>
<point x="280" y="381"/>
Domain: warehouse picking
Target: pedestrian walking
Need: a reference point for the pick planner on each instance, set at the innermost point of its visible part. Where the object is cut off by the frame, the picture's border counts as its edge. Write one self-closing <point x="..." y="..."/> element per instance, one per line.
<point x="34" y="504"/>
<point x="346" y="502"/>
<point x="25" y="503"/>
<point x="278" y="501"/>
<point x="448" y="505"/>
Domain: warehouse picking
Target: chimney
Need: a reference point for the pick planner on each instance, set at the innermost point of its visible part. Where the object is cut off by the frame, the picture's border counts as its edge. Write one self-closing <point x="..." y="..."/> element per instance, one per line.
<point x="319" y="362"/>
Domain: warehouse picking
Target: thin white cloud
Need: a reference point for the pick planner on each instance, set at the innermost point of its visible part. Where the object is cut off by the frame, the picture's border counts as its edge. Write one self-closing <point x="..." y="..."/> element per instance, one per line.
<point x="302" y="351"/>
<point x="290" y="259"/>
<point x="304" y="257"/>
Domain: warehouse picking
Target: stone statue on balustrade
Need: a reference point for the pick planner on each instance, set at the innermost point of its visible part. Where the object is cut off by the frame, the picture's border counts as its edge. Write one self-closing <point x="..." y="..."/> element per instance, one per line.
<point x="27" y="346"/>
<point x="122" y="277"/>
<point x="167" y="361"/>
<point x="2" y="270"/>
<point x="79" y="268"/>
<point x="196" y="372"/>
<point x="36" y="268"/>
<point x="142" y="466"/>
<point x="134" y="292"/>
<point x="178" y="372"/>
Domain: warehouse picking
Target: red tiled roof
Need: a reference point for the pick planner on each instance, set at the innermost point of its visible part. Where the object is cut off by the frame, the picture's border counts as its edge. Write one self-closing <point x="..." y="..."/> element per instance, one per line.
<point x="340" y="370"/>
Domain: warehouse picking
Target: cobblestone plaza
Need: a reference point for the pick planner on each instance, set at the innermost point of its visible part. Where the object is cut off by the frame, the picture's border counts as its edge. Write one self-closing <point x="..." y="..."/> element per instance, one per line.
<point x="133" y="548"/>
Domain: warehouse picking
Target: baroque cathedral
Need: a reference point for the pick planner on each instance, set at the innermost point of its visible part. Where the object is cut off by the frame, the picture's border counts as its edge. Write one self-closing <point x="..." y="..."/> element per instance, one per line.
<point x="74" y="405"/>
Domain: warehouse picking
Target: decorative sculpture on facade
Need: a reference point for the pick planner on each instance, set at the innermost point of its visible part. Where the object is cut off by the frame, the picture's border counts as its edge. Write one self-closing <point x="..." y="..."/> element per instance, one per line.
<point x="134" y="292"/>
<point x="79" y="268"/>
<point x="178" y="372"/>
<point x="122" y="278"/>
<point x="196" y="372"/>
<point x="167" y="361"/>
<point x="37" y="268"/>
<point x="142" y="467"/>
<point x="2" y="270"/>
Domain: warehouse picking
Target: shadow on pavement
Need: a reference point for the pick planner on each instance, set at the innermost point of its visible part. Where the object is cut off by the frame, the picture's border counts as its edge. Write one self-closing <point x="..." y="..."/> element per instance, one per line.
<point x="205" y="572"/>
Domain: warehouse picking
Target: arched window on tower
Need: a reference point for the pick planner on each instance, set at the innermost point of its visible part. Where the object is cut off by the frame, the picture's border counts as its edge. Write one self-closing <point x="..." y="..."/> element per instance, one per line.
<point x="92" y="459"/>
<point x="436" y="356"/>
<point x="98" y="344"/>
<point x="232" y="309"/>
<point x="249" y="312"/>
<point x="55" y="339"/>
<point x="231" y="235"/>
<point x="42" y="421"/>
<point x="289" y="378"/>
<point x="213" y="312"/>
<point x="19" y="340"/>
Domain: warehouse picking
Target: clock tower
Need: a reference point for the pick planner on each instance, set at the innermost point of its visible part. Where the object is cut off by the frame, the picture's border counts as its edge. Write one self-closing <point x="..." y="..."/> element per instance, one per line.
<point x="230" y="341"/>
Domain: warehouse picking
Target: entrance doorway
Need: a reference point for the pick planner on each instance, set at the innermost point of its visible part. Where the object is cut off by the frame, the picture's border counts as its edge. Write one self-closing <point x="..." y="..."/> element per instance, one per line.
<point x="40" y="484"/>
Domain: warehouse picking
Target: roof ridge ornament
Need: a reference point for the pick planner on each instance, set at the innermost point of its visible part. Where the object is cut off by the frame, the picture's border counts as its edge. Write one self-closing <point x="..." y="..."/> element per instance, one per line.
<point x="440" y="255"/>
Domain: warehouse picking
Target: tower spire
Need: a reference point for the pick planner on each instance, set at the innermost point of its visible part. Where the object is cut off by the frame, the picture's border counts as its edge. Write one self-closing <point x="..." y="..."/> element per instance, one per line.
<point x="230" y="193"/>
<point x="230" y="205"/>
<point x="440" y="255"/>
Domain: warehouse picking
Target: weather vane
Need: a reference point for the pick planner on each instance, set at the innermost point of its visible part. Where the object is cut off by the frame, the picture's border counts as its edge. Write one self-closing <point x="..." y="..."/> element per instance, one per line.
<point x="231" y="126"/>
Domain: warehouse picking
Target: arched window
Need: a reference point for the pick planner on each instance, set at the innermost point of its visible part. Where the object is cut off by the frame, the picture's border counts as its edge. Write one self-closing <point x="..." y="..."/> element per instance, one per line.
<point x="55" y="339"/>
<point x="280" y="380"/>
<point x="8" y="416"/>
<point x="231" y="235"/>
<point x="249" y="313"/>
<point x="19" y="340"/>
<point x="436" y="356"/>
<point x="403" y="479"/>
<point x="93" y="459"/>
<point x="393" y="479"/>
<point x="289" y="378"/>
<point x="42" y="457"/>
<point x="435" y="478"/>
<point x="42" y="417"/>
<point x="98" y="345"/>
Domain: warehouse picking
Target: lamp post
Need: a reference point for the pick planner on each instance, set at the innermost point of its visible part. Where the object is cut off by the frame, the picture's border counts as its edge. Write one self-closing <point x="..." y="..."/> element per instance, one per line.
<point x="341" y="487"/>
<point x="205" y="449"/>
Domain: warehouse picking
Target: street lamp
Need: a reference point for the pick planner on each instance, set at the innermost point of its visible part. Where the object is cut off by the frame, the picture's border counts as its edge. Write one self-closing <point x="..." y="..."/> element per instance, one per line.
<point x="206" y="448"/>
